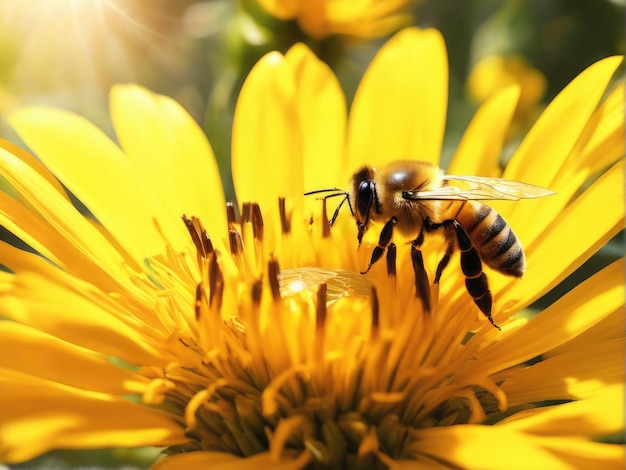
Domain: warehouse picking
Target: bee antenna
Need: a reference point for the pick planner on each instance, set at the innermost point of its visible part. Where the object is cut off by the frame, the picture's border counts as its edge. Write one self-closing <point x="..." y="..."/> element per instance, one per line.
<point x="334" y="217"/>
<point x="328" y="190"/>
<point x="335" y="193"/>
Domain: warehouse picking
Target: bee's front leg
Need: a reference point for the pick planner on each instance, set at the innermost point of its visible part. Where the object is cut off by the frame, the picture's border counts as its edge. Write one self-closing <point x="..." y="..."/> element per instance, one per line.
<point x="384" y="241"/>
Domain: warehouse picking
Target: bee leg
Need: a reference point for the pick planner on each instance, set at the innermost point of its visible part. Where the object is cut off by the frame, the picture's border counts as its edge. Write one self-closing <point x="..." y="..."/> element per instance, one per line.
<point x="383" y="242"/>
<point x="475" y="278"/>
<point x="430" y="226"/>
<point x="391" y="260"/>
<point x="451" y="244"/>
<point x="422" y="285"/>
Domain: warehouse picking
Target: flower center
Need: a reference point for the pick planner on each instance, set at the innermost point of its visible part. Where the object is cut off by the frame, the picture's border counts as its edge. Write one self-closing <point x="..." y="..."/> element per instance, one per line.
<point x="316" y="363"/>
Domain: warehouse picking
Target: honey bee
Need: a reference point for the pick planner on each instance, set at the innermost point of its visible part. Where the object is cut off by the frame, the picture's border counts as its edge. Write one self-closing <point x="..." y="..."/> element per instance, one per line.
<point x="416" y="198"/>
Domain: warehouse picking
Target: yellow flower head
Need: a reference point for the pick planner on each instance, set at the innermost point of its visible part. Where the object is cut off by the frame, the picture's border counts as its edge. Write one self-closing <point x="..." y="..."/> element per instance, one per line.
<point x="258" y="342"/>
<point x="354" y="18"/>
<point x="494" y="73"/>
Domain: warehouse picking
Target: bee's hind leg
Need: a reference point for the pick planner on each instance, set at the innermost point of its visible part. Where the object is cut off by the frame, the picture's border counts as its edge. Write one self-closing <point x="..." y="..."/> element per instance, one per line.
<point x="475" y="278"/>
<point x="384" y="241"/>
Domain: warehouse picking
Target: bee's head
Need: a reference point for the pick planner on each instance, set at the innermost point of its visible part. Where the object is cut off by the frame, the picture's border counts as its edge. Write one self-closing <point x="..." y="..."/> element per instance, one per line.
<point x="363" y="197"/>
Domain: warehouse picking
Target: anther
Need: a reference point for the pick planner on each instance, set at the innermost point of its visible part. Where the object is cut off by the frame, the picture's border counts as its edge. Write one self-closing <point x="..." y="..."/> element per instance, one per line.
<point x="235" y="242"/>
<point x="273" y="269"/>
<point x="320" y="320"/>
<point x="207" y="245"/>
<point x="285" y="220"/>
<point x="257" y="222"/>
<point x="198" y="235"/>
<point x="326" y="224"/>
<point x="245" y="214"/>
<point x="375" y="312"/>
<point x="391" y="260"/>
<point x="216" y="282"/>
<point x="230" y="213"/>
<point x="199" y="300"/>
<point x="257" y="292"/>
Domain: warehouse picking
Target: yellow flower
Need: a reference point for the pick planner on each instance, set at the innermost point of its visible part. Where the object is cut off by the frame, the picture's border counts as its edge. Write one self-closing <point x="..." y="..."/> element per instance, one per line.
<point x="494" y="73"/>
<point x="355" y="18"/>
<point x="261" y="344"/>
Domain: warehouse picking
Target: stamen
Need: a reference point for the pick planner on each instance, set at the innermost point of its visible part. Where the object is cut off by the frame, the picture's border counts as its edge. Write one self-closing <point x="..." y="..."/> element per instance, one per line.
<point x="216" y="283"/>
<point x="257" y="292"/>
<point x="391" y="261"/>
<point x="269" y="397"/>
<point x="199" y="300"/>
<point x="199" y="236"/>
<point x="198" y="400"/>
<point x="369" y="444"/>
<point x="245" y="214"/>
<point x="477" y="414"/>
<point x="326" y="224"/>
<point x="286" y="430"/>
<point x="285" y="220"/>
<point x="257" y="222"/>
<point x="273" y="269"/>
<point x="207" y="245"/>
<point x="320" y="321"/>
<point x="230" y="213"/>
<point x="235" y="243"/>
<point x="375" y="312"/>
<point x="156" y="390"/>
<point x="497" y="392"/>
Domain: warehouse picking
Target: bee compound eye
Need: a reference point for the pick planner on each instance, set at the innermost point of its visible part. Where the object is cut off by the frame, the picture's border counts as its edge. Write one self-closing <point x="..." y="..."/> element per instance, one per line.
<point x="364" y="199"/>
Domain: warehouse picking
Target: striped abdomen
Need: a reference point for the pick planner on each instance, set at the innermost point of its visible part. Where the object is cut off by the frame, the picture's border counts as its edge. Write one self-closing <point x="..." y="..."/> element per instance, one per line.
<point x="492" y="238"/>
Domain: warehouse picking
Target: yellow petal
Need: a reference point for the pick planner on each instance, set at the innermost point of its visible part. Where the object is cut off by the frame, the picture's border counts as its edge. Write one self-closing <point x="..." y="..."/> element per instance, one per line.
<point x="356" y="18"/>
<point x="600" y="145"/>
<point x="35" y="164"/>
<point x="54" y="302"/>
<point x="50" y="358"/>
<point x="72" y="419"/>
<point x="479" y="149"/>
<point x="602" y="141"/>
<point x="577" y="374"/>
<point x="576" y="312"/>
<point x="225" y="461"/>
<point x="610" y="328"/>
<point x="266" y="158"/>
<point x="547" y="145"/>
<point x="171" y="152"/>
<point x="498" y="447"/>
<point x="40" y="235"/>
<point x="99" y="174"/>
<point x="602" y="413"/>
<point x="321" y="118"/>
<point x="400" y="106"/>
<point x="283" y="9"/>
<point x="569" y="241"/>
<point x="54" y="216"/>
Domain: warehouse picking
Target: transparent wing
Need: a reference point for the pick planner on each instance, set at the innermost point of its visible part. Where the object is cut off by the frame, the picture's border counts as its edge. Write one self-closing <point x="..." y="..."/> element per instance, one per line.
<point x="465" y="188"/>
<point x="339" y="283"/>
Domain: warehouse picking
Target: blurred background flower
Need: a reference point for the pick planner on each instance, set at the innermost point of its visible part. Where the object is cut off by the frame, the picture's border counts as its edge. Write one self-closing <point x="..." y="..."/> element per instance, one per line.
<point x="68" y="54"/>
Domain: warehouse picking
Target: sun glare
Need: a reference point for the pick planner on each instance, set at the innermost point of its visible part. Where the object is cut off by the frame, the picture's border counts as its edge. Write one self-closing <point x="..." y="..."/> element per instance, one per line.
<point x="67" y="46"/>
